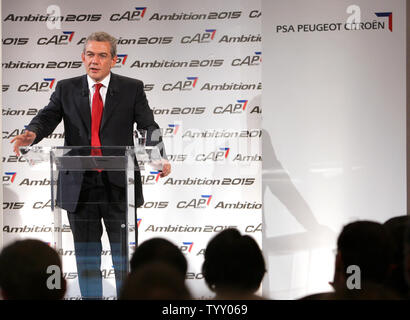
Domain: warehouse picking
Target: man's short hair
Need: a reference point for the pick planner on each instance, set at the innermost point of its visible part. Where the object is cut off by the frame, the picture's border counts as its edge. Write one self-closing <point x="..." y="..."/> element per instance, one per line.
<point x="102" y="36"/>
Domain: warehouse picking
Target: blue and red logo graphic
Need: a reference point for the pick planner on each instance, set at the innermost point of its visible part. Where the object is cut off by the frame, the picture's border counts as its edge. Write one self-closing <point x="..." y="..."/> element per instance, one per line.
<point x="12" y="175"/>
<point x="157" y="173"/>
<point x="195" y="79"/>
<point x="122" y="58"/>
<point x="190" y="244"/>
<point x="174" y="127"/>
<point x="389" y="15"/>
<point x="244" y="102"/>
<point x="71" y="33"/>
<point x="259" y="53"/>
<point x="139" y="222"/>
<point x="51" y="80"/>
<point x="142" y="10"/>
<point x="226" y="151"/>
<point x="212" y="31"/>
<point x="207" y="196"/>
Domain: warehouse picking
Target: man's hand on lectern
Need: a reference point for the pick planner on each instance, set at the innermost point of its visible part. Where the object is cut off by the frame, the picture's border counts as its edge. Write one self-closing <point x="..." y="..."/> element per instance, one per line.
<point x="23" y="140"/>
<point x="166" y="168"/>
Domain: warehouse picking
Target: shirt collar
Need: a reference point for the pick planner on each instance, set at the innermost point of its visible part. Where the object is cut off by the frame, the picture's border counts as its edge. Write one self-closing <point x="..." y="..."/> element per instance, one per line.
<point x="104" y="82"/>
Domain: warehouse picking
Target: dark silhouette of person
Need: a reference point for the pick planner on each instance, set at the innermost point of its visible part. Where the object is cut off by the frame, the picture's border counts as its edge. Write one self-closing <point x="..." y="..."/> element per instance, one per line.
<point x="155" y="280"/>
<point x="367" y="245"/>
<point x="364" y="247"/>
<point x="406" y="266"/>
<point x="25" y="273"/>
<point x="233" y="266"/>
<point x="159" y="249"/>
<point x="396" y="227"/>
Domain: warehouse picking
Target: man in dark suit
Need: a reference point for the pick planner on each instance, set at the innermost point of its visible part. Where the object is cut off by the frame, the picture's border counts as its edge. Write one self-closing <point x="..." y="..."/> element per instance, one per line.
<point x="98" y="109"/>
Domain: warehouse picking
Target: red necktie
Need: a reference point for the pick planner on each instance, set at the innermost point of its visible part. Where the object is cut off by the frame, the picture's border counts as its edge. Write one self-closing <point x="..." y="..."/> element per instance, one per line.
<point x="96" y="115"/>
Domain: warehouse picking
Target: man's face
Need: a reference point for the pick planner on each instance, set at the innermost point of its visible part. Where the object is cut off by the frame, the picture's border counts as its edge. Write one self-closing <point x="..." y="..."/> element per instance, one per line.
<point x="97" y="59"/>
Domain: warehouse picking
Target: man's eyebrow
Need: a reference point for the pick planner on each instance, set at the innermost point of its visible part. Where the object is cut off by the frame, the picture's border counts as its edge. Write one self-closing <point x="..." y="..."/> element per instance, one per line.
<point x="88" y="51"/>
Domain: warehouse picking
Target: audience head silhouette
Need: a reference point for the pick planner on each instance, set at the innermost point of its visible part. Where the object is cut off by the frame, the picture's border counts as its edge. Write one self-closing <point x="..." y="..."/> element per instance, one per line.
<point x="159" y="249"/>
<point x="23" y="272"/>
<point x="155" y="280"/>
<point x="234" y="265"/>
<point x="406" y="265"/>
<point x="363" y="244"/>
<point x="396" y="227"/>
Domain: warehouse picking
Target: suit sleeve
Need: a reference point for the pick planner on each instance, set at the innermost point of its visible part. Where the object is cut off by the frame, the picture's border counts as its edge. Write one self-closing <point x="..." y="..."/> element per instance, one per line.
<point x="48" y="118"/>
<point x="144" y="117"/>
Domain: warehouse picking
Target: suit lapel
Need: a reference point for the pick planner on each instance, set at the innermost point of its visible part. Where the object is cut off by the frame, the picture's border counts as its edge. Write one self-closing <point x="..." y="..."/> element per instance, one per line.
<point x="83" y="105"/>
<point x="111" y="100"/>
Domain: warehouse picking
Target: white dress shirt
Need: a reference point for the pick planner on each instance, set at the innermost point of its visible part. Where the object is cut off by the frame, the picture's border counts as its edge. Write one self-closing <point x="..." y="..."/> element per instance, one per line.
<point x="103" y="89"/>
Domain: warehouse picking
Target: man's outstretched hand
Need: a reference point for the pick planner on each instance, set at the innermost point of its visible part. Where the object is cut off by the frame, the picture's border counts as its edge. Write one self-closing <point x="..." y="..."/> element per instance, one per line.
<point x="166" y="168"/>
<point x="23" y="140"/>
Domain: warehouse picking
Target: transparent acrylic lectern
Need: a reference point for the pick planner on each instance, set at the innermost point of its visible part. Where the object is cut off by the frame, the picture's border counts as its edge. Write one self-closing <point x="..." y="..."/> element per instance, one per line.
<point x="120" y="162"/>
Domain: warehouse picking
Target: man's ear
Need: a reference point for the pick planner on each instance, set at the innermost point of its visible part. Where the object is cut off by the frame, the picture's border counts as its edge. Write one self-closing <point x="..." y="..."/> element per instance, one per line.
<point x="114" y="61"/>
<point x="83" y="57"/>
<point x="339" y="279"/>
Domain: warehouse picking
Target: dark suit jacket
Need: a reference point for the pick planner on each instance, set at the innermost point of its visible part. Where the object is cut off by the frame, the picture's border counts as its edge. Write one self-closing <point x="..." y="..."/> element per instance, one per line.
<point x="125" y="104"/>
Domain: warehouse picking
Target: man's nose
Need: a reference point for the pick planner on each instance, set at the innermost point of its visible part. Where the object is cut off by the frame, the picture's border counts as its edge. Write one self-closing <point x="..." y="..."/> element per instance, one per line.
<point x="95" y="60"/>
